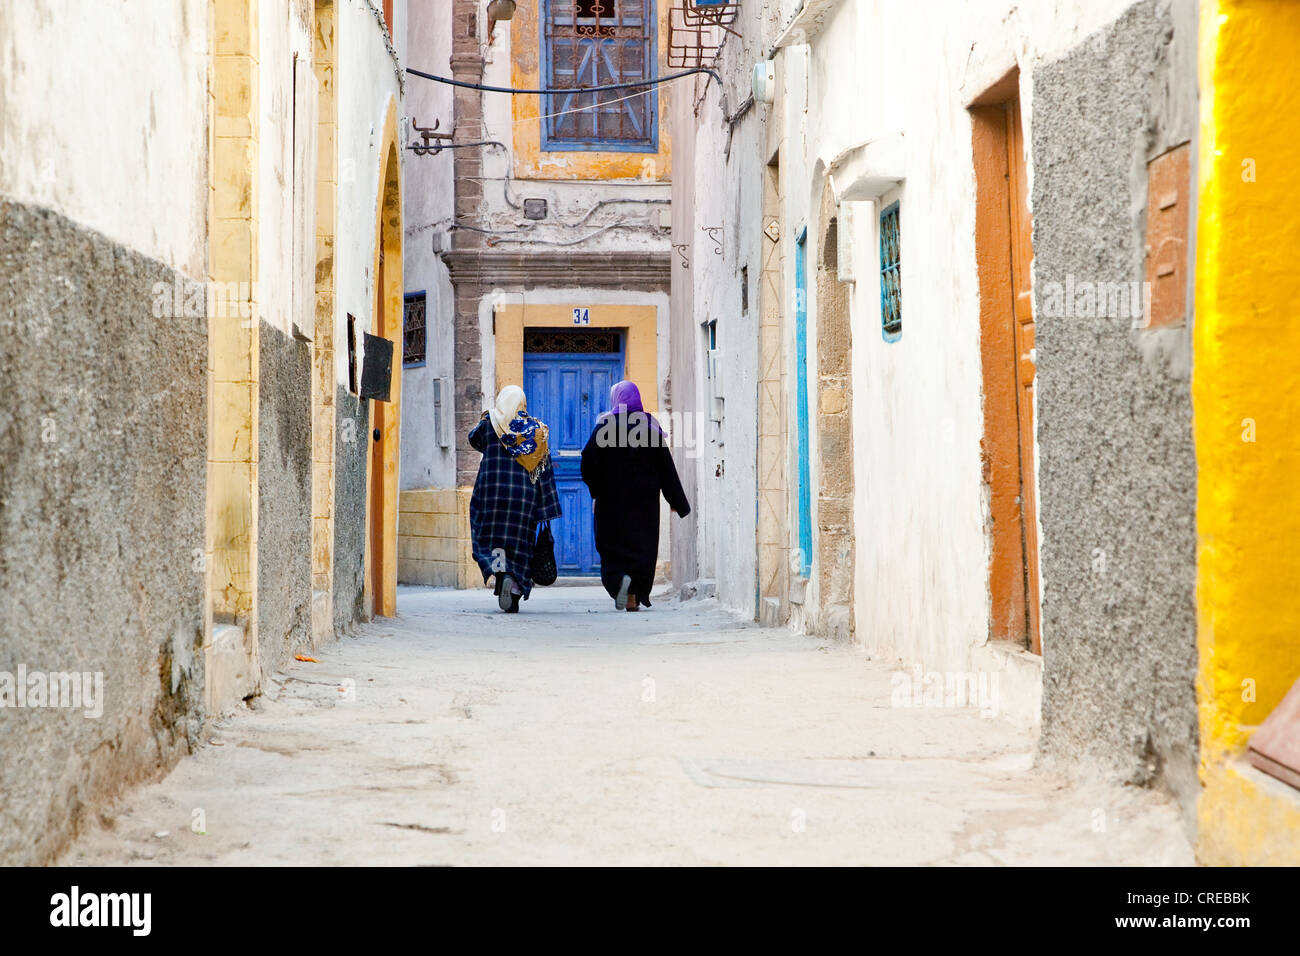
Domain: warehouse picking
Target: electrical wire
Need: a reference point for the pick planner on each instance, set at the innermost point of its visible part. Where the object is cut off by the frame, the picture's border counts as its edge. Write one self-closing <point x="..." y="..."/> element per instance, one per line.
<point x="649" y="81"/>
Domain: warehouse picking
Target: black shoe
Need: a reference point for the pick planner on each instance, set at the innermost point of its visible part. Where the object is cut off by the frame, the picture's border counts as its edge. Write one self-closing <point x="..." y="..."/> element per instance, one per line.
<point x="504" y="596"/>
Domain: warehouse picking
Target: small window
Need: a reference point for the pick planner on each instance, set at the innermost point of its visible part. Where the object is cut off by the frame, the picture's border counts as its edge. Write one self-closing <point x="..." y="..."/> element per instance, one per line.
<point x="413" y="330"/>
<point x="442" y="412"/>
<point x="744" y="289"/>
<point x="891" y="292"/>
<point x="713" y="370"/>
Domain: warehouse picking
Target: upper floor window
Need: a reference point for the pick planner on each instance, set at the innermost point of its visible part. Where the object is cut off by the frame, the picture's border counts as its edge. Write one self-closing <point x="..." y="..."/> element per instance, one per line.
<point x="589" y="43"/>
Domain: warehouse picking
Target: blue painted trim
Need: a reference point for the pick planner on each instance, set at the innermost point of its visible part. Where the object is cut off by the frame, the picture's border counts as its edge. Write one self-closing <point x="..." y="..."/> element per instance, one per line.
<point x="551" y="144"/>
<point x="801" y="400"/>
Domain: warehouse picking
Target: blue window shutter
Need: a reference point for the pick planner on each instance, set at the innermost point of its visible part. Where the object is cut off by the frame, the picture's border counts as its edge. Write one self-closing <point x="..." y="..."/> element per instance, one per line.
<point x="615" y="43"/>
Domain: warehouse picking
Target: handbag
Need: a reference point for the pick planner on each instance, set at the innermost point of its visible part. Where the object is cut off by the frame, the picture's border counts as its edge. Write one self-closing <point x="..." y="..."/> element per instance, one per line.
<point x="543" y="567"/>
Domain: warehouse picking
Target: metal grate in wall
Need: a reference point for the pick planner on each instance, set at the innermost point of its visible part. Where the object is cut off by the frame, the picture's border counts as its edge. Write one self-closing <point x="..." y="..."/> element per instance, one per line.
<point x="593" y="342"/>
<point x="413" y="329"/>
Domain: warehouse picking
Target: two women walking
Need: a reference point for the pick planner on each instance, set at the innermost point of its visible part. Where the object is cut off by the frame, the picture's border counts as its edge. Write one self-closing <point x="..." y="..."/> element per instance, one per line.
<point x="626" y="464"/>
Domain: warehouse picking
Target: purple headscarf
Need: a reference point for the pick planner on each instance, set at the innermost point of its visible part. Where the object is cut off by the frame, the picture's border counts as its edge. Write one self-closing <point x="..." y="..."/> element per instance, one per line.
<point x="624" y="399"/>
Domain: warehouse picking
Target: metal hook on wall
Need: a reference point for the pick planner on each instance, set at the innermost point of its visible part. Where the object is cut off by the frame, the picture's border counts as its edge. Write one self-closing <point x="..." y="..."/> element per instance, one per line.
<point x="428" y="133"/>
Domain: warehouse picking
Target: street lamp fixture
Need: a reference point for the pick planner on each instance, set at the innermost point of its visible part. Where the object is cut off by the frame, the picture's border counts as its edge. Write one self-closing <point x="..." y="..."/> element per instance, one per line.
<point x="499" y="10"/>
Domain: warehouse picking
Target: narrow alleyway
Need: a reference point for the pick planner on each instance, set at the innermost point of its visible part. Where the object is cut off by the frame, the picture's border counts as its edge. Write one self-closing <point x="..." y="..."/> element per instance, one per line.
<point x="572" y="734"/>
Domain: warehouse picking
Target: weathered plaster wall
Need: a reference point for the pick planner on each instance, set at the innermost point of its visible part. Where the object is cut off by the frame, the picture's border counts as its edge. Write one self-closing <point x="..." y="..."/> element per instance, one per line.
<point x="682" y="396"/>
<point x="362" y="51"/>
<point x="103" y="440"/>
<point x="284" y="497"/>
<point x="427" y="208"/>
<point x="1117" y="470"/>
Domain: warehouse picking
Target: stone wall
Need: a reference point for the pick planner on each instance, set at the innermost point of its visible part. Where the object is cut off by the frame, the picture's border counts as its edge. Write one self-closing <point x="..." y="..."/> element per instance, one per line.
<point x="351" y="444"/>
<point x="433" y="539"/>
<point x="103" y="448"/>
<point x="1117" y="474"/>
<point x="284" y="511"/>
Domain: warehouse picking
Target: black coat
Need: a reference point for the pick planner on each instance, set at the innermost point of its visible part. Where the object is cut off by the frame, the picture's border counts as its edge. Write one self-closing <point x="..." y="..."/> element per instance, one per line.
<point x="627" y="465"/>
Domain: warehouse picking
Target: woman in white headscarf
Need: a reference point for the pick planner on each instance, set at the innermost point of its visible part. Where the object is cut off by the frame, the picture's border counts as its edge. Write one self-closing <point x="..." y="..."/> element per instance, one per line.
<point x="513" y="493"/>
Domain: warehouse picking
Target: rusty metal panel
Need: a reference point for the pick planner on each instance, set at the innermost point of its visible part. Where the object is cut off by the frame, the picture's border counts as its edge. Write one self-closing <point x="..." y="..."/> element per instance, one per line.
<point x="1275" y="748"/>
<point x="1168" y="222"/>
<point x="377" y="368"/>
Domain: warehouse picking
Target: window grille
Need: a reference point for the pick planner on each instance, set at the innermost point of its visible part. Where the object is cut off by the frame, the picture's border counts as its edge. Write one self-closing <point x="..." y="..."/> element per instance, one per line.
<point x="596" y="43"/>
<point x="596" y="341"/>
<point x="891" y="293"/>
<point x="413" y="329"/>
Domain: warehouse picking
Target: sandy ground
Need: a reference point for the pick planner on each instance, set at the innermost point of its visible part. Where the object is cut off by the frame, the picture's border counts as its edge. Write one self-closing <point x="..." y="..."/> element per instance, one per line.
<point x="572" y="733"/>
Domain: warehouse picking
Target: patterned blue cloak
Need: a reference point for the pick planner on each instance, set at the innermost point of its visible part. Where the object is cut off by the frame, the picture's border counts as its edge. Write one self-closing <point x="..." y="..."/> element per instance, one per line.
<point x="506" y="508"/>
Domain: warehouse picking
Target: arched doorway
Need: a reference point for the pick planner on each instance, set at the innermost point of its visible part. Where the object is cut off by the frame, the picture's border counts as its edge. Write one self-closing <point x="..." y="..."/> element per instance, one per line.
<point x="385" y="417"/>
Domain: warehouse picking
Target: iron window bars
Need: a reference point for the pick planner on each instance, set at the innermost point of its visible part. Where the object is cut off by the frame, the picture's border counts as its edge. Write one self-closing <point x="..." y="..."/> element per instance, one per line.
<point x="592" y="43"/>
<point x="414" y="343"/>
<point x="891" y="293"/>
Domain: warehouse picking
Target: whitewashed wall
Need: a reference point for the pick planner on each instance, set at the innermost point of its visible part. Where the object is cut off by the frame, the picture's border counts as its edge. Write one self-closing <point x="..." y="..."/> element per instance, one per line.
<point x="282" y="36"/>
<point x="427" y="203"/>
<point x="877" y="69"/>
<point x="96" y="134"/>
<point x="367" y="83"/>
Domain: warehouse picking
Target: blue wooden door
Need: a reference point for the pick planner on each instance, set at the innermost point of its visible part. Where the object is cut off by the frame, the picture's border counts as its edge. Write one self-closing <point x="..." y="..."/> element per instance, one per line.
<point x="804" y="480"/>
<point x="567" y="392"/>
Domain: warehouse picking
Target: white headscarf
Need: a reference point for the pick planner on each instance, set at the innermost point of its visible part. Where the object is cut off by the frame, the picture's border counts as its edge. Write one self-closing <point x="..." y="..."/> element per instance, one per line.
<point x="510" y="402"/>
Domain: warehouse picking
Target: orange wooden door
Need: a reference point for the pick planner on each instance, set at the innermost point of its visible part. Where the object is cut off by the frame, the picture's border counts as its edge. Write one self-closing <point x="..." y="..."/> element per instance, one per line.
<point x="1022" y="254"/>
<point x="378" y="411"/>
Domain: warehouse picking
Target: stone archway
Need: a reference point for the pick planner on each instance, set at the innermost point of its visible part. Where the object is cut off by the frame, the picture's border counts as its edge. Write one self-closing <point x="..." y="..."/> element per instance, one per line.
<point x="834" y="432"/>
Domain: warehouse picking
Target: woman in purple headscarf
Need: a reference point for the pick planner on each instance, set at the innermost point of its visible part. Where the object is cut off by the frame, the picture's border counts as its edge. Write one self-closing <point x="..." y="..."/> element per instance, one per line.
<point x="627" y="465"/>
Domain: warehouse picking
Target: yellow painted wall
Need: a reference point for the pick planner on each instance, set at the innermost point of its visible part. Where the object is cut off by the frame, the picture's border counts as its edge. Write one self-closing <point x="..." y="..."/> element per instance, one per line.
<point x="530" y="161"/>
<point x="433" y="545"/>
<point x="1247" y="376"/>
<point x="323" y="411"/>
<point x="641" y="362"/>
<point x="387" y="322"/>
